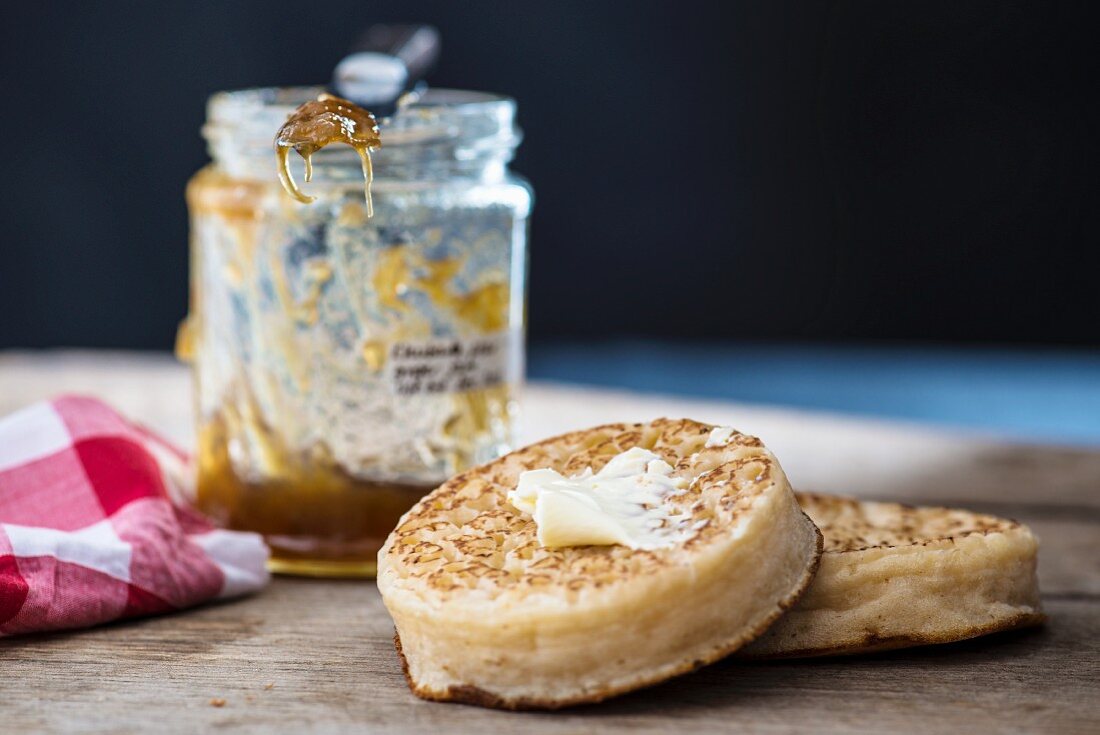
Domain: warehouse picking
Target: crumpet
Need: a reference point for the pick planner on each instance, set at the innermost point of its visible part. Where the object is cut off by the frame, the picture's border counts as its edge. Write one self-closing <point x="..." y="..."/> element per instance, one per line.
<point x="486" y="614"/>
<point x="894" y="576"/>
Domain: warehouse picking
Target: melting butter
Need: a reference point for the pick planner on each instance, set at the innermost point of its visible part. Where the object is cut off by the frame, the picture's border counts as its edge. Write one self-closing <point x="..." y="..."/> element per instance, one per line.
<point x="624" y="503"/>
<point x="720" y="436"/>
<point x="318" y="123"/>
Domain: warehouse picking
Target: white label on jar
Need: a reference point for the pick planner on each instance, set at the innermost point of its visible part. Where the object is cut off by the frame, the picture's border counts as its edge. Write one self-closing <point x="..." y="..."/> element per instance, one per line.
<point x="452" y="365"/>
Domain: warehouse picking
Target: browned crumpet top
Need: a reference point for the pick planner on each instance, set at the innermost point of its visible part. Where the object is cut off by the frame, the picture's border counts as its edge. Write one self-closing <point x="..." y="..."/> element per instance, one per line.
<point x="465" y="538"/>
<point x="851" y="525"/>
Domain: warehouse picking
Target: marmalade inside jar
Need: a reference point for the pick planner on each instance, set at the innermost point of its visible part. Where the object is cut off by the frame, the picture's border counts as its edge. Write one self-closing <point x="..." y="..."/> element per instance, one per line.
<point x="316" y="518"/>
<point x="345" y="366"/>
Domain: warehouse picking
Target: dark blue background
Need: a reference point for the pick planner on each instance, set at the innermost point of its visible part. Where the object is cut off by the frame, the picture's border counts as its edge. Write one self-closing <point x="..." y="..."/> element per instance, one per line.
<point x="771" y="170"/>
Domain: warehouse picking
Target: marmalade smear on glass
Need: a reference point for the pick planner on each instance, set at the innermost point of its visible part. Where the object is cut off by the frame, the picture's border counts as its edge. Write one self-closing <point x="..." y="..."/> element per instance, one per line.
<point x="345" y="361"/>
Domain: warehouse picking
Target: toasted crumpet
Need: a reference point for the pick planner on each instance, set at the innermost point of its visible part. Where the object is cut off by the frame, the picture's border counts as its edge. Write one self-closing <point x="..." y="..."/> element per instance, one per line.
<point x="894" y="576"/>
<point x="486" y="615"/>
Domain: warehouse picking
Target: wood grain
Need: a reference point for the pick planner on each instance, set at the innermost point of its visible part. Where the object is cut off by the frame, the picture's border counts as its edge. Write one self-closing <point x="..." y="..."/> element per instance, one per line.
<point x="326" y="647"/>
<point x="317" y="656"/>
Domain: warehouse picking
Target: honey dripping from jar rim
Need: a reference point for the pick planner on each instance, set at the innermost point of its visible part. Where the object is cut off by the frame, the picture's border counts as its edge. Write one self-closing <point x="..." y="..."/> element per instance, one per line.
<point x="318" y="123"/>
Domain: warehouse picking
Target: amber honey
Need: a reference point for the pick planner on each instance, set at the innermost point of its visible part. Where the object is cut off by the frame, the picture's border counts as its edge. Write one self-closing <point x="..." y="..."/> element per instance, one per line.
<point x="321" y="122"/>
<point x="347" y="361"/>
<point x="317" y="519"/>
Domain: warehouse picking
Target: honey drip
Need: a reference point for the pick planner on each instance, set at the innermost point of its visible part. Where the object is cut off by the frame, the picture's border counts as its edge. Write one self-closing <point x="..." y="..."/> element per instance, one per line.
<point x="319" y="123"/>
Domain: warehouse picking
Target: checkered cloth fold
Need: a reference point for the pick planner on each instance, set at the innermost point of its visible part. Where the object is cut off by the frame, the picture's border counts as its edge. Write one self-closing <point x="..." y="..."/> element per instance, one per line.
<point x="89" y="530"/>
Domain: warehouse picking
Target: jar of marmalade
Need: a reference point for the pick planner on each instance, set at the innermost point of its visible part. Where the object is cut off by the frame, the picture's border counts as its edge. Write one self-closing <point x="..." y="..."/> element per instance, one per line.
<point x="345" y="364"/>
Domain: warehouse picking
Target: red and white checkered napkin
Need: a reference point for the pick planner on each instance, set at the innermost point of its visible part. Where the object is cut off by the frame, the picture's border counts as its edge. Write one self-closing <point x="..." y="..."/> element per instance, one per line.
<point x="88" y="530"/>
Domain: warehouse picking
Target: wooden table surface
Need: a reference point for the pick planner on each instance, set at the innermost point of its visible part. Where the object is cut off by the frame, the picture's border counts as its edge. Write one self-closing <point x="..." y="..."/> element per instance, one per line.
<point x="317" y="656"/>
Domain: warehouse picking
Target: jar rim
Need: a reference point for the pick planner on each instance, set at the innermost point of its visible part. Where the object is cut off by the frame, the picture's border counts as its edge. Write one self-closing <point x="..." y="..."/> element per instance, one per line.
<point x="439" y="115"/>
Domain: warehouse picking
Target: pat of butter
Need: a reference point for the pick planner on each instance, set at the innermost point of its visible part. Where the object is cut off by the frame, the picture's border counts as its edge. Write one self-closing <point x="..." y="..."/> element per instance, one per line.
<point x="720" y="436"/>
<point x="623" y="503"/>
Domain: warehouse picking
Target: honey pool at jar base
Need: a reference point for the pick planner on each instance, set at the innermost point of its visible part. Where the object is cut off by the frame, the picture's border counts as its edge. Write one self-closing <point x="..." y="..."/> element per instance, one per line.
<point x="344" y="365"/>
<point x="316" y="519"/>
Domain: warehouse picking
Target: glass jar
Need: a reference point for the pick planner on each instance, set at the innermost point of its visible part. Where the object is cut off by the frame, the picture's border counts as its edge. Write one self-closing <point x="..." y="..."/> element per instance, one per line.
<point x="344" y="365"/>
